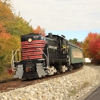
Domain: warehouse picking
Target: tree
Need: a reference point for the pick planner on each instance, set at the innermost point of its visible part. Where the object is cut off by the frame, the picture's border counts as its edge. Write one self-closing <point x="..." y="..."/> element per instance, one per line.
<point x="91" y="47"/>
<point x="94" y="49"/>
<point x="18" y="26"/>
<point x="39" y="30"/>
<point x="13" y="24"/>
<point x="7" y="44"/>
<point x="5" y="12"/>
<point x="76" y="42"/>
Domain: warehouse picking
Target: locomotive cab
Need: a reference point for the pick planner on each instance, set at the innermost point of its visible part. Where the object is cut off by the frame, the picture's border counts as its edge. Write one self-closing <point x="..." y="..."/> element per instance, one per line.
<point x="64" y="47"/>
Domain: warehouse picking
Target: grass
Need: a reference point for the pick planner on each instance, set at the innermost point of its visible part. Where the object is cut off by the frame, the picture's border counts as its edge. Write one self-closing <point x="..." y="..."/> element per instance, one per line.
<point x="84" y="85"/>
<point x="74" y="91"/>
<point x="5" y="76"/>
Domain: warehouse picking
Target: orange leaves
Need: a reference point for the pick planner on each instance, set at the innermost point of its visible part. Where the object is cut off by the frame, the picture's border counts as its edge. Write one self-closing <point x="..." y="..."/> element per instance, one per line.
<point x="3" y="33"/>
<point x="92" y="47"/>
<point x="91" y="36"/>
<point x="7" y="44"/>
<point x="39" y="30"/>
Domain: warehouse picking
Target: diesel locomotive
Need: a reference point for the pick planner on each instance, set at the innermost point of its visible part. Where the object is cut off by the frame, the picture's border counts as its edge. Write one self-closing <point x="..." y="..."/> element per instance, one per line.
<point x="42" y="56"/>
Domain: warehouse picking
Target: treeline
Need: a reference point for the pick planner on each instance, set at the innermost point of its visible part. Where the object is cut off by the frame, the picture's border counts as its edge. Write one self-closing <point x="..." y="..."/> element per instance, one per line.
<point x="12" y="26"/>
<point x="76" y="42"/>
<point x="90" y="46"/>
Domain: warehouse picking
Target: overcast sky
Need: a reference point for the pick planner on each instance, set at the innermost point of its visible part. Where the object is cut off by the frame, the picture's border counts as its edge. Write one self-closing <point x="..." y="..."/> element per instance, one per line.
<point x="72" y="18"/>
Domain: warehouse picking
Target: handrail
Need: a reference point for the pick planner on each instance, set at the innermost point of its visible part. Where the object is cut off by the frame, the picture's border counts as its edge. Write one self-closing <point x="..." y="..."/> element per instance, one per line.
<point x="45" y="56"/>
<point x="12" y="59"/>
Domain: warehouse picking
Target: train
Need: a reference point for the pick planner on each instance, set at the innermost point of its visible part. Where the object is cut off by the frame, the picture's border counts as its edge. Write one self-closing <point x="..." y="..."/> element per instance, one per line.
<point x="42" y="56"/>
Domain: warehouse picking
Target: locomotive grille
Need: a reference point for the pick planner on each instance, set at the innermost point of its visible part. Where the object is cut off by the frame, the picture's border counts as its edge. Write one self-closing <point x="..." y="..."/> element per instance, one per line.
<point x="32" y="50"/>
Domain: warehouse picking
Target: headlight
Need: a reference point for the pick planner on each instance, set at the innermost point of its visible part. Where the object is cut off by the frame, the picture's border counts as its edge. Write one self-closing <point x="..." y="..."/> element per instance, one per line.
<point x="30" y="40"/>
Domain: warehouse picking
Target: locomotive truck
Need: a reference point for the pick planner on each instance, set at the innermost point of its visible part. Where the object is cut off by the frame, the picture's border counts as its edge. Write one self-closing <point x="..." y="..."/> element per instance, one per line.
<point x="41" y="56"/>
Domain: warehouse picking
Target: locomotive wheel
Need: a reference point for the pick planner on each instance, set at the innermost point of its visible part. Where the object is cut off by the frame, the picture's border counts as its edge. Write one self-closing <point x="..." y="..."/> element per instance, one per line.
<point x="51" y="70"/>
<point x="64" y="68"/>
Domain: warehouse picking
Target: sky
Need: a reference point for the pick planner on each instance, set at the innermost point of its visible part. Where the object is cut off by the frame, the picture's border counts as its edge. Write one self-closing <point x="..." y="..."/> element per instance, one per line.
<point x="72" y="18"/>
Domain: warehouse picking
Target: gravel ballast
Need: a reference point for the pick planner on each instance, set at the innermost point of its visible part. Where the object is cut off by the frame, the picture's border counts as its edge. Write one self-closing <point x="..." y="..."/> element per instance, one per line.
<point x="68" y="87"/>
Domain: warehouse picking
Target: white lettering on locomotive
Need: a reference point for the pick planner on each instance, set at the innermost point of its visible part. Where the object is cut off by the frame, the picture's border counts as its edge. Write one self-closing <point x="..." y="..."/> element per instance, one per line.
<point x="52" y="47"/>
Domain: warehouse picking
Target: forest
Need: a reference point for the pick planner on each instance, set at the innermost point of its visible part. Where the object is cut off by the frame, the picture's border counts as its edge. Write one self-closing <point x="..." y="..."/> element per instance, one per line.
<point x="12" y="26"/>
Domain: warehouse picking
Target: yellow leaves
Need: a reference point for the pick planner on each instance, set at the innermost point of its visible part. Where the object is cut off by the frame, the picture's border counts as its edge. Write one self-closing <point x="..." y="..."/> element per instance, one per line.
<point x="7" y="44"/>
<point x="3" y="33"/>
<point x="6" y="47"/>
<point x="5" y="12"/>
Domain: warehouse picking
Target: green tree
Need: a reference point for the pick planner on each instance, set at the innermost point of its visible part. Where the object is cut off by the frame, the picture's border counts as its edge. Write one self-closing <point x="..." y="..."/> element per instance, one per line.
<point x="7" y="44"/>
<point x="14" y="24"/>
<point x="76" y="42"/>
<point x="18" y="26"/>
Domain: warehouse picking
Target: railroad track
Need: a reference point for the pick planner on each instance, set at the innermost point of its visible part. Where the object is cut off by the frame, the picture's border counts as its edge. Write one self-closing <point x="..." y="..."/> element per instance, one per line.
<point x="16" y="83"/>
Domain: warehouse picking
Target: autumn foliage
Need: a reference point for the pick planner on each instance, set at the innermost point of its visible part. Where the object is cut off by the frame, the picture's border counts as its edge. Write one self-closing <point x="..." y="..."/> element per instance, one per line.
<point x="7" y="44"/>
<point x="39" y="30"/>
<point x="3" y="33"/>
<point x="91" y="47"/>
<point x="5" y="11"/>
<point x="12" y="26"/>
